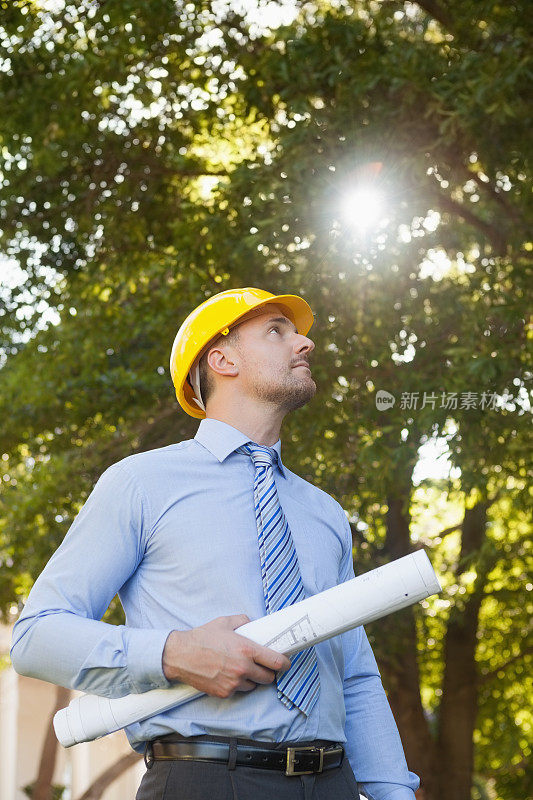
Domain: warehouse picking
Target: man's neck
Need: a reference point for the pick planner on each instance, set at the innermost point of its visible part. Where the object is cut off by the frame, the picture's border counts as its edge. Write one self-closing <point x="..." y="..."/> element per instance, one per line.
<point x="258" y="426"/>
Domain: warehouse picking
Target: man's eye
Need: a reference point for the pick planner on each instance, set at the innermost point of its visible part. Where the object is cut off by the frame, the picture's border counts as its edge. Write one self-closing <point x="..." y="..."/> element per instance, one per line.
<point x="275" y="328"/>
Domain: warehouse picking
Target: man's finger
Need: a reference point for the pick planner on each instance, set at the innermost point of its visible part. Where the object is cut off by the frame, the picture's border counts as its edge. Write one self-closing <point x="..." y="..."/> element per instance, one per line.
<point x="246" y="686"/>
<point x="236" y="620"/>
<point x="261" y="674"/>
<point x="269" y="658"/>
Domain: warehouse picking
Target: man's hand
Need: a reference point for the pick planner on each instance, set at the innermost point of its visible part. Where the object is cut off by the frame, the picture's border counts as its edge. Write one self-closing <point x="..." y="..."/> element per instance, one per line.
<point x="218" y="661"/>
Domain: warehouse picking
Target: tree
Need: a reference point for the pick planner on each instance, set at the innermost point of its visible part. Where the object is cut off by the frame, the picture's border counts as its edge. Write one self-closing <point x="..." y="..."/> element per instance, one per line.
<point x="155" y="154"/>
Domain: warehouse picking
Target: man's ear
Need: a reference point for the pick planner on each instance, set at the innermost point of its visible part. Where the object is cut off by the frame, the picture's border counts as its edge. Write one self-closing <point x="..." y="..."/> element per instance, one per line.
<point x="221" y="362"/>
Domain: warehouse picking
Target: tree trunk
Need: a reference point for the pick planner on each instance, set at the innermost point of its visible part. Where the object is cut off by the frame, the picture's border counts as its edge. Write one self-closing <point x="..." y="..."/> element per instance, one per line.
<point x="458" y="709"/>
<point x="98" y="787"/>
<point x="42" y="788"/>
<point x="399" y="661"/>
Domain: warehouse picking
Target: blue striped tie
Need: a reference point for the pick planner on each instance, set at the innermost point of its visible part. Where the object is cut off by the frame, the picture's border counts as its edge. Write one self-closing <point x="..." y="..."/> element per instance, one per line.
<point x="280" y="572"/>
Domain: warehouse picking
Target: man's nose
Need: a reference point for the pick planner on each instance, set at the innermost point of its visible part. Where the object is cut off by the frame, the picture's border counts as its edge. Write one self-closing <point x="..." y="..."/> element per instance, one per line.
<point x="304" y="344"/>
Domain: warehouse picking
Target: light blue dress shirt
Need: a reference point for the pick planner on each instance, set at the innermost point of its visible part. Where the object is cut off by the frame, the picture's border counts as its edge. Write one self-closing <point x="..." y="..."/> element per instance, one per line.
<point x="173" y="531"/>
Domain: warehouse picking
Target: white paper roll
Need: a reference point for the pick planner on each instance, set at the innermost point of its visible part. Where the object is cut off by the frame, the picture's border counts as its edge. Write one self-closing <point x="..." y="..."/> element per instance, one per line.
<point x="356" y="602"/>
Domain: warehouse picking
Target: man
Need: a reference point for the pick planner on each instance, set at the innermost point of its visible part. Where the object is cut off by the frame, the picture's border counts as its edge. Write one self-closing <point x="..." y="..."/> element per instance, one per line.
<point x="197" y="538"/>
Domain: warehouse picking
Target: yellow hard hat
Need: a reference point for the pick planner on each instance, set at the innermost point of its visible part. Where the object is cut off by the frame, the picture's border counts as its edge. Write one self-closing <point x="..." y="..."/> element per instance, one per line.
<point x="214" y="317"/>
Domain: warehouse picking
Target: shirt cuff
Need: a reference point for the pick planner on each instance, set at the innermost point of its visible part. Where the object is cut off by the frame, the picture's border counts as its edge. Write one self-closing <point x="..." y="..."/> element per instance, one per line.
<point x="145" y="658"/>
<point x="376" y="791"/>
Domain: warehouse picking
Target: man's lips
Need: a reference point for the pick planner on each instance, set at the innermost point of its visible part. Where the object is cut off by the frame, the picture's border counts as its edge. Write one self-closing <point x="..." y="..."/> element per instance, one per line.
<point x="302" y="364"/>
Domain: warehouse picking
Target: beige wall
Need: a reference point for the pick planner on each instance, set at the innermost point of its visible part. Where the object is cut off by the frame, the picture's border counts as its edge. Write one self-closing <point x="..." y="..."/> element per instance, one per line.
<point x="25" y="708"/>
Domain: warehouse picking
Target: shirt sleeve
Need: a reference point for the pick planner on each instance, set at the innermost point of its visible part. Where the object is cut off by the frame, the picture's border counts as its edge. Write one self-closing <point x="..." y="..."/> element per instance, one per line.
<point x="373" y="744"/>
<point x="59" y="636"/>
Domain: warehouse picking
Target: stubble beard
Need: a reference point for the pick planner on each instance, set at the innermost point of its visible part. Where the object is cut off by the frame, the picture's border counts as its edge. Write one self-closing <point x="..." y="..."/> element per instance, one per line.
<point x="288" y="394"/>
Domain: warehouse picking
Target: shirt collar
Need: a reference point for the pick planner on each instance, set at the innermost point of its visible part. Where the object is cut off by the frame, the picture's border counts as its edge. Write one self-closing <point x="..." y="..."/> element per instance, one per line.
<point x="222" y="439"/>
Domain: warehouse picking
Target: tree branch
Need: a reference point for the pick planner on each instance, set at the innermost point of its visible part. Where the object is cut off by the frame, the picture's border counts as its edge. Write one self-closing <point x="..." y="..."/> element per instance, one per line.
<point x="424" y="541"/>
<point x="449" y="530"/>
<point x="494" y="236"/>
<point x="513" y="214"/>
<point x="98" y="787"/>
<point x="438" y="13"/>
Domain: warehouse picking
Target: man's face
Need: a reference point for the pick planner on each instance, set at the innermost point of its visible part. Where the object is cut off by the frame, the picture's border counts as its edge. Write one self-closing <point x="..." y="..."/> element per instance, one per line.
<point x="270" y="354"/>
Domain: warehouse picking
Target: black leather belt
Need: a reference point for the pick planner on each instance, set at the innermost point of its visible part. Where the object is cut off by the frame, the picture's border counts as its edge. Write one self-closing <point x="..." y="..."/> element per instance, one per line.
<point x="294" y="760"/>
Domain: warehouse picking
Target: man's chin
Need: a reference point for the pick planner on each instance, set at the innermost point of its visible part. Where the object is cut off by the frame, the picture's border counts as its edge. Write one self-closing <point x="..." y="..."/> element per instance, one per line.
<point x="288" y="396"/>
<point x="300" y="396"/>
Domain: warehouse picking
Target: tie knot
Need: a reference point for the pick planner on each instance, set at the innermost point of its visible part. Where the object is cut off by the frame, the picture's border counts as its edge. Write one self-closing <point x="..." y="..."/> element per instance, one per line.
<point x="261" y="455"/>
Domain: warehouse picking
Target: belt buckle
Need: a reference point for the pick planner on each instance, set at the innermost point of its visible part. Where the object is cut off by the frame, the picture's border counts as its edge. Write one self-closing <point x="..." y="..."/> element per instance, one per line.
<point x="291" y="754"/>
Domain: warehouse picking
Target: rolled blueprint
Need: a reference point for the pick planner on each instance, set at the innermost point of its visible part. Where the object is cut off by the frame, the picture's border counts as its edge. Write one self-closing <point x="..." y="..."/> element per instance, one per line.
<point x="356" y="602"/>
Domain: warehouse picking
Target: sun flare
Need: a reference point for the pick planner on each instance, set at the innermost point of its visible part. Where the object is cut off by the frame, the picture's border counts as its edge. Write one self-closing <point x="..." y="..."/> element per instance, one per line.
<point x="362" y="208"/>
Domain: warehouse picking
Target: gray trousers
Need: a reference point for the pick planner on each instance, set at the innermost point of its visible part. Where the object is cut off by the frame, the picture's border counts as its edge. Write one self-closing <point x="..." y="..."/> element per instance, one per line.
<point x="198" y="780"/>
